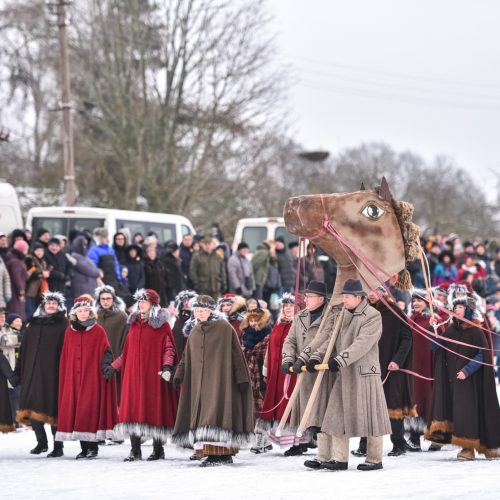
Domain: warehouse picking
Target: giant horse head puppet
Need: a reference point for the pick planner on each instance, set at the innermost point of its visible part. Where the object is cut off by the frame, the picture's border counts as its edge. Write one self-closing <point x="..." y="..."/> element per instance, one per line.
<point x="368" y="233"/>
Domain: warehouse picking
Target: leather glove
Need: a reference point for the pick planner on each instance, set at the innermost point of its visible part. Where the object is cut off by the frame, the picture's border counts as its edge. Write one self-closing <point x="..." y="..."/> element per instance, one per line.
<point x="243" y="387"/>
<point x="238" y="291"/>
<point x="166" y="373"/>
<point x="14" y="380"/>
<point x="176" y="382"/>
<point x="108" y="372"/>
<point x="333" y="365"/>
<point x="285" y="367"/>
<point x="297" y="366"/>
<point x="311" y="364"/>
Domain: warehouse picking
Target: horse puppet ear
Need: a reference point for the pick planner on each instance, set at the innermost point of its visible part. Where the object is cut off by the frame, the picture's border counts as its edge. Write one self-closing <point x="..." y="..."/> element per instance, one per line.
<point x="384" y="191"/>
<point x="362" y="188"/>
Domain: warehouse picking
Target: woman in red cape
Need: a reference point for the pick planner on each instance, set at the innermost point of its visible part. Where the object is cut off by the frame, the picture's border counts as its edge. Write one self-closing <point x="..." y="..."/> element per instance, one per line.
<point x="87" y="401"/>
<point x="149" y="401"/>
<point x="274" y="400"/>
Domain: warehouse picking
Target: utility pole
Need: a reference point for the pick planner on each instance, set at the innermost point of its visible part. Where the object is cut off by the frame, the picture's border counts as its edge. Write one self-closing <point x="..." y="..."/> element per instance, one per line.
<point x="66" y="105"/>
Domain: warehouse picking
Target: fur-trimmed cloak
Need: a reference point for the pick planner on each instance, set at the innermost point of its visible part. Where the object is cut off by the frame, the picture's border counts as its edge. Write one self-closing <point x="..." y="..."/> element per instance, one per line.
<point x="38" y="368"/>
<point x="395" y="345"/>
<point x="148" y="404"/>
<point x="6" y="423"/>
<point x="422" y="363"/>
<point x="464" y="412"/>
<point x="211" y="407"/>
<point x="275" y="379"/>
<point x="87" y="401"/>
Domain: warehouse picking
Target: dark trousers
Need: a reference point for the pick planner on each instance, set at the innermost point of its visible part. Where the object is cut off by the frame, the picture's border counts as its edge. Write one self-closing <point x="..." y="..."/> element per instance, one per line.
<point x="398" y="433"/>
<point x="41" y="435"/>
<point x="14" y="401"/>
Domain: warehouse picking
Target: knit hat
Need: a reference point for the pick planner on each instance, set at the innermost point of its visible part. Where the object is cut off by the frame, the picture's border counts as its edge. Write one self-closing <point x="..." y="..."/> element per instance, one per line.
<point x="84" y="300"/>
<point x="41" y="232"/>
<point x="204" y="301"/>
<point x="11" y="318"/>
<point x="54" y="241"/>
<point x="147" y="294"/>
<point x="171" y="247"/>
<point x="21" y="246"/>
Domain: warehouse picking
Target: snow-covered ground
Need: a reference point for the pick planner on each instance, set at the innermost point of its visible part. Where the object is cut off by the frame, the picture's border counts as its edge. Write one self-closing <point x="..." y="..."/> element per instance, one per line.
<point x="433" y="475"/>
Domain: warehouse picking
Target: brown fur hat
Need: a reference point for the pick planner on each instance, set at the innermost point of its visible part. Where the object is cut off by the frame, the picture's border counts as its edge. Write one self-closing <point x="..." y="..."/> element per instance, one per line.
<point x="263" y="317"/>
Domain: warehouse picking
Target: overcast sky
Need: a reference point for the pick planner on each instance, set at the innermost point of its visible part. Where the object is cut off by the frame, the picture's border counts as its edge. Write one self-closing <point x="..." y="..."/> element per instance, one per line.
<point x="420" y="75"/>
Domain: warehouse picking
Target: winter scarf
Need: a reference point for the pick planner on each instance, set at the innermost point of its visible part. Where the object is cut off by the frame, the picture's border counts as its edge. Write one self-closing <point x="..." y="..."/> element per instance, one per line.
<point x="81" y="326"/>
<point x="252" y="337"/>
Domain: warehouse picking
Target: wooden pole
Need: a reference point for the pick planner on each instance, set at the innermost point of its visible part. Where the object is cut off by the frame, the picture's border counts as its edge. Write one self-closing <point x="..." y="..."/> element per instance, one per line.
<point x="296" y="389"/>
<point x="69" y="163"/>
<point x="319" y="378"/>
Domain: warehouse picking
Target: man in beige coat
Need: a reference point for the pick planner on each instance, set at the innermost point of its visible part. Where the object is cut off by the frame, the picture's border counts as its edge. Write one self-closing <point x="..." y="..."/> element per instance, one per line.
<point x="357" y="404"/>
<point x="304" y="328"/>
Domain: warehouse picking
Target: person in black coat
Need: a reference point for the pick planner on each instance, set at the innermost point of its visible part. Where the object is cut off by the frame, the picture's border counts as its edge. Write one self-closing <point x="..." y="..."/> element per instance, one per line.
<point x="120" y="247"/>
<point x="135" y="266"/>
<point x="285" y="265"/>
<point x="154" y="274"/>
<point x="174" y="276"/>
<point x="58" y="266"/>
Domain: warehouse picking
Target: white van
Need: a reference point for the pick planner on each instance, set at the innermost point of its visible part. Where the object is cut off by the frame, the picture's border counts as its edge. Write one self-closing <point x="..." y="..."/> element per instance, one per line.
<point x="255" y="230"/>
<point x="61" y="220"/>
<point x="10" y="211"/>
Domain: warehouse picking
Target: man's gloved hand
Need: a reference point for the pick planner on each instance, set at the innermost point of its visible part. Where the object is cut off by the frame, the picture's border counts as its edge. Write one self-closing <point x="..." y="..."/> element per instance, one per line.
<point x="176" y="382"/>
<point x="311" y="364"/>
<point x="243" y="387"/>
<point x="297" y="366"/>
<point x="108" y="372"/>
<point x="238" y="291"/>
<point x="285" y="367"/>
<point x="166" y="372"/>
<point x="333" y="365"/>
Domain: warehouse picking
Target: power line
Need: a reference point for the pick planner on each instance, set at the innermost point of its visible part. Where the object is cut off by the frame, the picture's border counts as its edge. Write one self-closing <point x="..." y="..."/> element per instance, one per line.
<point x="398" y="87"/>
<point x="395" y="97"/>
<point x="407" y="76"/>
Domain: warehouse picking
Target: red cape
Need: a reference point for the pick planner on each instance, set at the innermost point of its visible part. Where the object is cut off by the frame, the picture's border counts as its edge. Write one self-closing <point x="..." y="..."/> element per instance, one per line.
<point x="87" y="401"/>
<point x="276" y="379"/>
<point x="148" y="404"/>
<point x="423" y="364"/>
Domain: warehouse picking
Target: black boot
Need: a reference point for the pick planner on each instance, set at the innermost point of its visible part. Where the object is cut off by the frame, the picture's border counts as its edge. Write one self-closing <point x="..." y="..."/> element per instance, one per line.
<point x="361" y="451"/>
<point x="41" y="438"/>
<point x="39" y="448"/>
<point x="158" y="451"/>
<point x="366" y="466"/>
<point x="85" y="449"/>
<point x="313" y="464"/>
<point x="334" y="465"/>
<point x="396" y="451"/>
<point x="57" y="451"/>
<point x="296" y="450"/>
<point x="135" y="452"/>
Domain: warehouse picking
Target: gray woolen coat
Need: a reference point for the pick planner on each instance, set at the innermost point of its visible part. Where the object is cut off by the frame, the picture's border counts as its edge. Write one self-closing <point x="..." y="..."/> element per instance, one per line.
<point x="302" y="333"/>
<point x="357" y="406"/>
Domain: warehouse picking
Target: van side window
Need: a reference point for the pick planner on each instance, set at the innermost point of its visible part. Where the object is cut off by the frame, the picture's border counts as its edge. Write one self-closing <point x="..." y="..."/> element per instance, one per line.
<point x="289" y="237"/>
<point x="85" y="223"/>
<point x="185" y="230"/>
<point x="252" y="236"/>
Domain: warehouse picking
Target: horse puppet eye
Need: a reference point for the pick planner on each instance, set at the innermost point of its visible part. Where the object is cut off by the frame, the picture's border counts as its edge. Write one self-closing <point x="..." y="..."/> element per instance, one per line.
<point x="372" y="211"/>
